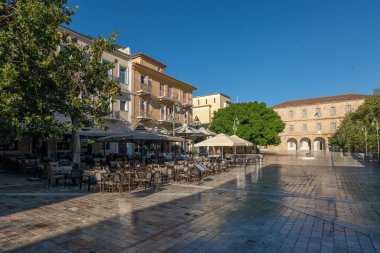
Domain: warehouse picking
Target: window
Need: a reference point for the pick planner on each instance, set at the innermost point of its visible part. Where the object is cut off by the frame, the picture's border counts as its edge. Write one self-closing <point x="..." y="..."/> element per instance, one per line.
<point x="304" y="127"/>
<point x="14" y="145"/>
<point x="291" y="128"/>
<point x="123" y="75"/>
<point x="106" y="145"/>
<point x="198" y="102"/>
<point x="162" y="112"/>
<point x="123" y="106"/>
<point x="333" y="126"/>
<point x="206" y="101"/>
<point x="319" y="127"/>
<point x="348" y="108"/>
<point x="332" y="111"/>
<point x="317" y="112"/>
<point x="63" y="144"/>
<point x="162" y="89"/>
<point x="62" y="47"/>
<point x="109" y="71"/>
<point x="291" y="114"/>
<point x="170" y="90"/>
<point x="214" y="100"/>
<point x="304" y="113"/>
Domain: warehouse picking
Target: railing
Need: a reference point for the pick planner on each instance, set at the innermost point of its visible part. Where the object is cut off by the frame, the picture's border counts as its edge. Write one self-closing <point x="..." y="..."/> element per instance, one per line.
<point x="187" y="101"/>
<point x="174" y="96"/>
<point x="164" y="117"/>
<point x="170" y="96"/>
<point x="114" y="115"/>
<point x="145" y="88"/>
<point x="144" y="114"/>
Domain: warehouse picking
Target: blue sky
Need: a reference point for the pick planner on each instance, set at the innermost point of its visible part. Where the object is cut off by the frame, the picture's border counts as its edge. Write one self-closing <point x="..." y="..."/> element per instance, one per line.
<point x="268" y="51"/>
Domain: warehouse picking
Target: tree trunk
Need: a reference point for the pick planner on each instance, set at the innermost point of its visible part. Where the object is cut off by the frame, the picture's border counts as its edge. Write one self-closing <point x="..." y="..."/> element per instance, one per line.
<point x="75" y="148"/>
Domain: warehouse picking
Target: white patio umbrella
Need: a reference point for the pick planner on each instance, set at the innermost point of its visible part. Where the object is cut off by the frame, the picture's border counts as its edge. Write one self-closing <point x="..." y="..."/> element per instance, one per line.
<point x="248" y="144"/>
<point x="221" y="140"/>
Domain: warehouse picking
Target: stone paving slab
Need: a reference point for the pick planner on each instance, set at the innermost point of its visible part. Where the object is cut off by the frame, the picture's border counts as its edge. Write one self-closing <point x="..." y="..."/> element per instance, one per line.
<point x="286" y="206"/>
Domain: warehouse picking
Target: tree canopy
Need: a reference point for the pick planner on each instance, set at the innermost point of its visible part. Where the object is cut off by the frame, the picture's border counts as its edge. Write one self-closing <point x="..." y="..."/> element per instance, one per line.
<point x="29" y="40"/>
<point x="83" y="90"/>
<point x="39" y="81"/>
<point x="257" y="123"/>
<point x="351" y="132"/>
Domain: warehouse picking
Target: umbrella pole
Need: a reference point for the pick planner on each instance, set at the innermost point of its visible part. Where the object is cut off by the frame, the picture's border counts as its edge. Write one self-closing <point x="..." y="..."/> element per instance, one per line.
<point x="222" y="152"/>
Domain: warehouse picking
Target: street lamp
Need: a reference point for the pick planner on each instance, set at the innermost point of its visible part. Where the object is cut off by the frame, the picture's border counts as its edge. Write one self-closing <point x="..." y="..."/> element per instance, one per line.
<point x="176" y="108"/>
<point x="376" y="123"/>
<point x="365" y="139"/>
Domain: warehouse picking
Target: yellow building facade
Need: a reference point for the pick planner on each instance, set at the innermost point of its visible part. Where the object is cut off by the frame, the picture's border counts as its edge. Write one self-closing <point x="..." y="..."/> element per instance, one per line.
<point x="205" y="106"/>
<point x="310" y="122"/>
<point x="158" y="100"/>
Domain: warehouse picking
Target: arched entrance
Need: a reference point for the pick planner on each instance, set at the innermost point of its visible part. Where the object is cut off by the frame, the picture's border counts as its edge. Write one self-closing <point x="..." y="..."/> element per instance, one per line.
<point x="319" y="144"/>
<point x="305" y="144"/>
<point x="292" y="144"/>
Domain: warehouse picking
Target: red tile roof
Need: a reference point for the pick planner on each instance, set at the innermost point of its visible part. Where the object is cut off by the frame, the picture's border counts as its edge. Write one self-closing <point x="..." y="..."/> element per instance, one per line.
<point x="320" y="100"/>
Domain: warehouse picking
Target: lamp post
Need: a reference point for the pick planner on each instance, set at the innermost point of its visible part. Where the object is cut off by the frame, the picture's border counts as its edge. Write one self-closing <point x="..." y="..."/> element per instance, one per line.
<point x="365" y="139"/>
<point x="176" y="108"/>
<point x="376" y="124"/>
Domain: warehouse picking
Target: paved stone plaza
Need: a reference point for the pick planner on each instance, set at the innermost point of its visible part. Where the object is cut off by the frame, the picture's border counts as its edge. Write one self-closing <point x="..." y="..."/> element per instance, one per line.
<point x="291" y="204"/>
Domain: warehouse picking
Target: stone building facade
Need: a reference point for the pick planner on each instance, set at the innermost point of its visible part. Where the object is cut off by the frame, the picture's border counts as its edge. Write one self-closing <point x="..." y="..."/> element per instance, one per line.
<point x="310" y="122"/>
<point x="204" y="106"/>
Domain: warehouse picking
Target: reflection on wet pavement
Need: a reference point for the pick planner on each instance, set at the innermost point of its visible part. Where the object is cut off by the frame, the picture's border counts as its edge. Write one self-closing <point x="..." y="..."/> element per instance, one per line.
<point x="329" y="204"/>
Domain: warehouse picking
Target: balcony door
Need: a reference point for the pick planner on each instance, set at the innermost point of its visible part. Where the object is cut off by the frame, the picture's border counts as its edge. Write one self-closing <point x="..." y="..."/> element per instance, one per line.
<point x="143" y="108"/>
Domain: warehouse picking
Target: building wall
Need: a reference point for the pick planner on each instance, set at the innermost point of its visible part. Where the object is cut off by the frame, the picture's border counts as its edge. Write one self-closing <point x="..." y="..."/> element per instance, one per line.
<point x="205" y="106"/>
<point x="155" y="91"/>
<point x="326" y="121"/>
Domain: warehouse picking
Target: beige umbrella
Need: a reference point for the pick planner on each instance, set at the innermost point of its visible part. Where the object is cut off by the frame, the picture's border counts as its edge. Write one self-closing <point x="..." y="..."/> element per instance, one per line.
<point x="222" y="140"/>
<point x="248" y="144"/>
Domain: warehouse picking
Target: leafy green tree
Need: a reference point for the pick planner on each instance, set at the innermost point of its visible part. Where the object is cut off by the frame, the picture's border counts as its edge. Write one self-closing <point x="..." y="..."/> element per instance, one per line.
<point x="28" y="43"/>
<point x="257" y="123"/>
<point x="351" y="133"/>
<point x="83" y="91"/>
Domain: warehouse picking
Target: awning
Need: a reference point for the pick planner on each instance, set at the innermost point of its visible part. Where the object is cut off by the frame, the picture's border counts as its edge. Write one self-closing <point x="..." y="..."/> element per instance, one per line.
<point x="139" y="136"/>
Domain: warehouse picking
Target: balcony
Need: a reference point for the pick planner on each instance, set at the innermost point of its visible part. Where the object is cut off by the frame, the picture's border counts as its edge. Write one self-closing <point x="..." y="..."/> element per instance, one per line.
<point x="165" y="118"/>
<point x="115" y="115"/>
<point x="166" y="97"/>
<point x="144" y="89"/>
<point x="187" y="102"/>
<point x="145" y="114"/>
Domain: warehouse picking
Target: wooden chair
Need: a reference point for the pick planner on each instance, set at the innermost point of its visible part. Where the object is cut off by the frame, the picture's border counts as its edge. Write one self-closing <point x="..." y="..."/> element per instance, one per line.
<point x="54" y="175"/>
<point x="117" y="182"/>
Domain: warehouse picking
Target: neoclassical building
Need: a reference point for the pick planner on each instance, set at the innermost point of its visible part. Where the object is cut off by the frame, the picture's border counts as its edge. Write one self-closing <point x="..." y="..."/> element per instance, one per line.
<point x="310" y="122"/>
